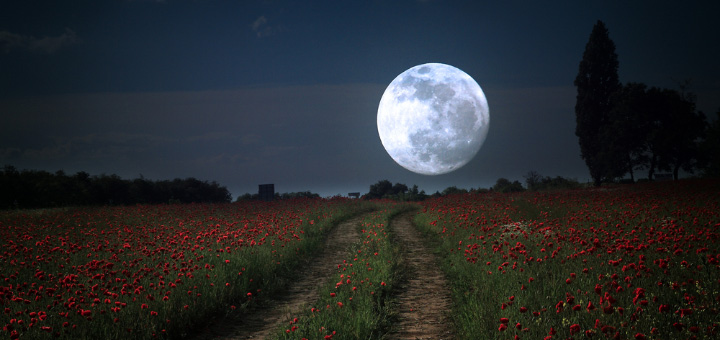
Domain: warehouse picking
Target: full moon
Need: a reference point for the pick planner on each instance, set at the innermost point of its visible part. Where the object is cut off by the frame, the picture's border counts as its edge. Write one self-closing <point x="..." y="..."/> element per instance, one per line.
<point x="433" y="119"/>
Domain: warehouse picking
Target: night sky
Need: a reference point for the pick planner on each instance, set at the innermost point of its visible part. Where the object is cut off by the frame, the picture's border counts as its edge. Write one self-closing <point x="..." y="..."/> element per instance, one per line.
<point x="286" y="92"/>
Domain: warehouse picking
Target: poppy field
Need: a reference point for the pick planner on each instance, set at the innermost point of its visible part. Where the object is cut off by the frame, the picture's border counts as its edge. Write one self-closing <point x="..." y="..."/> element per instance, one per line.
<point x="624" y="262"/>
<point x="150" y="271"/>
<point x="635" y="261"/>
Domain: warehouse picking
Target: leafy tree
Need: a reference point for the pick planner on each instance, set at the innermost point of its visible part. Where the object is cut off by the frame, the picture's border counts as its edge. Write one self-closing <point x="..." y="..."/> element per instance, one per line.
<point x="673" y="132"/>
<point x="559" y="182"/>
<point x="398" y="189"/>
<point x="504" y="185"/>
<point x="305" y="194"/>
<point x="415" y="195"/>
<point x="652" y="129"/>
<point x="379" y="189"/>
<point x="596" y="82"/>
<point x="626" y="135"/>
<point x="38" y="189"/>
<point x="532" y="180"/>
<point x="247" y="196"/>
<point x="536" y="182"/>
<point x="453" y="190"/>
<point x="683" y="129"/>
<point x="710" y="149"/>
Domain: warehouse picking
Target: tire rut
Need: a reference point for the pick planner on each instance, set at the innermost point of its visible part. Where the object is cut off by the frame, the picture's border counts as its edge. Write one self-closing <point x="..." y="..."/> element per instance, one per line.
<point x="423" y="300"/>
<point x="263" y="321"/>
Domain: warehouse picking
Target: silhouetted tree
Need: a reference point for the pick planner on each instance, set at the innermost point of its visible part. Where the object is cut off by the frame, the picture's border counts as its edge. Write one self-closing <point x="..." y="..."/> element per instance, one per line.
<point x="504" y="185"/>
<point x="398" y="189"/>
<point x="379" y="189"/>
<point x="141" y="191"/>
<point x="305" y="194"/>
<point x="651" y="129"/>
<point x="596" y="82"/>
<point x="626" y="136"/>
<point x="710" y="149"/>
<point x="532" y="180"/>
<point x="37" y="189"/>
<point x="683" y="129"/>
<point x="453" y="190"/>
<point x="673" y="129"/>
<point x="247" y="196"/>
<point x="414" y="194"/>
<point x="558" y="182"/>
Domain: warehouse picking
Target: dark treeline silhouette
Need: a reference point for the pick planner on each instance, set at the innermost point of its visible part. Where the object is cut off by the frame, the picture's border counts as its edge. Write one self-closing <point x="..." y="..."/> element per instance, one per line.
<point x="533" y="180"/>
<point x="398" y="191"/>
<point x="285" y="195"/>
<point x="536" y="182"/>
<point x="41" y="189"/>
<point x="627" y="128"/>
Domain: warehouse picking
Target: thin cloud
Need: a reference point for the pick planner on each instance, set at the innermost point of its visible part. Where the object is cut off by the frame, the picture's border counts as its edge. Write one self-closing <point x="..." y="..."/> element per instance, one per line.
<point x="258" y="23"/>
<point x="11" y="41"/>
<point x="262" y="29"/>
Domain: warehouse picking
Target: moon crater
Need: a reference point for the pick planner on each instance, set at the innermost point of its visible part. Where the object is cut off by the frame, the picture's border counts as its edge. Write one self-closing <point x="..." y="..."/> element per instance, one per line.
<point x="433" y="118"/>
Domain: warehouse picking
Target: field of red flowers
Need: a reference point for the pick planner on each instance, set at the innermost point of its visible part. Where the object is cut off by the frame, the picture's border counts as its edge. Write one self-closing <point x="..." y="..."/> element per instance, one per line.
<point x="627" y="262"/>
<point x="148" y="271"/>
<point x="624" y="262"/>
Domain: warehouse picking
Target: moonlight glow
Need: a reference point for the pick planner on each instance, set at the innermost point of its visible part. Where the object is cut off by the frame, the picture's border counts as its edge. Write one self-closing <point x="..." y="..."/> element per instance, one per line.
<point x="433" y="119"/>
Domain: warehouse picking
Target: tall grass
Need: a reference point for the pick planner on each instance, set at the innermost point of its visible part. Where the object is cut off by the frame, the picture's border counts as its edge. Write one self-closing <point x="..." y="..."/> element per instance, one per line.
<point x="151" y="271"/>
<point x="635" y="262"/>
<point x="356" y="303"/>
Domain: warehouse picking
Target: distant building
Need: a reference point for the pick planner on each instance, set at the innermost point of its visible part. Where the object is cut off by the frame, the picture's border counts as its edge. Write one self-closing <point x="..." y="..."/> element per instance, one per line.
<point x="266" y="192"/>
<point x="354" y="194"/>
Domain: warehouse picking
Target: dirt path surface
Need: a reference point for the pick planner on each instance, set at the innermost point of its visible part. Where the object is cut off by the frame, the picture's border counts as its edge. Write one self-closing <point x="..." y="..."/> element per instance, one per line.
<point x="264" y="320"/>
<point x="424" y="300"/>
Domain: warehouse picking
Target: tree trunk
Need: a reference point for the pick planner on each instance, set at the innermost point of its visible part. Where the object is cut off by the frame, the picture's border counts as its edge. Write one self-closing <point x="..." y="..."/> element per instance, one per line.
<point x="651" y="172"/>
<point x="675" y="171"/>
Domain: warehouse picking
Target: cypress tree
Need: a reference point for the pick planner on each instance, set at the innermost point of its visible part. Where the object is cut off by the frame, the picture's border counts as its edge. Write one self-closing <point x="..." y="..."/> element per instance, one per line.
<point x="596" y="83"/>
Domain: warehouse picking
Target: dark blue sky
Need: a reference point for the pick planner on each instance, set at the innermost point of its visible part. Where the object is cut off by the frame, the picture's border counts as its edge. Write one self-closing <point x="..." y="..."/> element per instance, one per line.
<point x="286" y="92"/>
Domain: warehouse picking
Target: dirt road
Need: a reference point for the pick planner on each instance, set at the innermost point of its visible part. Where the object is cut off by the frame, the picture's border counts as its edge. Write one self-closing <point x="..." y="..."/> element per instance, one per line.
<point x="424" y="299"/>
<point x="265" y="319"/>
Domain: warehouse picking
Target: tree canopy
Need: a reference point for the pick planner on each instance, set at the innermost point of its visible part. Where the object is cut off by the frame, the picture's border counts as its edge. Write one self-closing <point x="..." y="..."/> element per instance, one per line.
<point x="40" y="189"/>
<point x="398" y="191"/>
<point x="625" y="128"/>
<point x="709" y="157"/>
<point x="596" y="82"/>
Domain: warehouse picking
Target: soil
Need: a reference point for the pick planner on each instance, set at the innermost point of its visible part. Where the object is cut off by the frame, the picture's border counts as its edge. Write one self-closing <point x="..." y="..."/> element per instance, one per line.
<point x="423" y="300"/>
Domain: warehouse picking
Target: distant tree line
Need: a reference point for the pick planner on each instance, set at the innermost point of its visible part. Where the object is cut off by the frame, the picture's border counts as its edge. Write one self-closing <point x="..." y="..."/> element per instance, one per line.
<point x="41" y="189"/>
<point x="533" y="180"/>
<point x="397" y="191"/>
<point x="632" y="127"/>
<point x="285" y="195"/>
<point x="536" y="182"/>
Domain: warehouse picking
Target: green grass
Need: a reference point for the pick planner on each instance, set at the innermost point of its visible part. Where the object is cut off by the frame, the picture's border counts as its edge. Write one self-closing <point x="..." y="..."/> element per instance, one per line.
<point x="152" y="271"/>
<point x="529" y="258"/>
<point x="537" y="251"/>
<point x="356" y="303"/>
